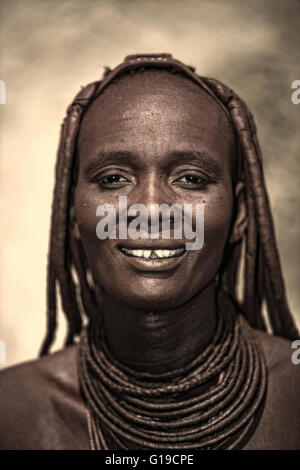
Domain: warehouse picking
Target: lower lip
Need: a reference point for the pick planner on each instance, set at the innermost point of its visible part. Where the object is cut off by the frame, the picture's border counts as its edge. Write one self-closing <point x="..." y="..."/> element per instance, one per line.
<point x="156" y="264"/>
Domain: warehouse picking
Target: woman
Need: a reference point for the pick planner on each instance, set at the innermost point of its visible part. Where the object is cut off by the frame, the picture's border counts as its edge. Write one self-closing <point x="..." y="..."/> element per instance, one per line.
<point x="169" y="356"/>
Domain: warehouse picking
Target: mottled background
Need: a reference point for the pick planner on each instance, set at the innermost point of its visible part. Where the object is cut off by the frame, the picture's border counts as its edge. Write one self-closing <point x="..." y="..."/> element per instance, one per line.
<point x="50" y="48"/>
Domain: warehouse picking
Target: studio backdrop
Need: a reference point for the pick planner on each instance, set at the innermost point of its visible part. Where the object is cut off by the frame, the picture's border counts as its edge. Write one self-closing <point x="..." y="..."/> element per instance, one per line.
<point x="50" y="48"/>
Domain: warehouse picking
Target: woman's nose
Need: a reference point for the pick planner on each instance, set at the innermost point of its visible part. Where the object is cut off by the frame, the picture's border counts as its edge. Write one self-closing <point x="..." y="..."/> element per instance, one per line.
<point x="155" y="198"/>
<point x="152" y="189"/>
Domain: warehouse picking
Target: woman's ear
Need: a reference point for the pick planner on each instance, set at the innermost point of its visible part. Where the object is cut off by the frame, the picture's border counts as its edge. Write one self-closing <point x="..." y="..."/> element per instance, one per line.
<point x="240" y="221"/>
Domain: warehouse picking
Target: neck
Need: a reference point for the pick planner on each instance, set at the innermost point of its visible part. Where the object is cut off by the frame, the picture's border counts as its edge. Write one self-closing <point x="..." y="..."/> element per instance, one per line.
<point x="160" y="340"/>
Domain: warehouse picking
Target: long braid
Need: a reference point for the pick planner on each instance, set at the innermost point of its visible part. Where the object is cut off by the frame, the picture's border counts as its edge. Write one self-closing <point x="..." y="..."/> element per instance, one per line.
<point x="262" y="276"/>
<point x="60" y="256"/>
<point x="260" y="237"/>
<point x="230" y="405"/>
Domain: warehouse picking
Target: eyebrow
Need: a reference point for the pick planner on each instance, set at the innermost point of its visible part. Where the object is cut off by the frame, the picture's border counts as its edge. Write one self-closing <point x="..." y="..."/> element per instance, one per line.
<point x="102" y="159"/>
<point x="200" y="157"/>
<point x="119" y="157"/>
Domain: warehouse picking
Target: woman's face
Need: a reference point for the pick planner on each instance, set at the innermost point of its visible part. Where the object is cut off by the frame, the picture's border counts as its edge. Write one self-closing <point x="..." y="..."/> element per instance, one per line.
<point x="154" y="138"/>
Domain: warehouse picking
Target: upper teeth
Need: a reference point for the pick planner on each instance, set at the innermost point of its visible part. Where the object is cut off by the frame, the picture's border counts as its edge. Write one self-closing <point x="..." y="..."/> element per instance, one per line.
<point x="159" y="253"/>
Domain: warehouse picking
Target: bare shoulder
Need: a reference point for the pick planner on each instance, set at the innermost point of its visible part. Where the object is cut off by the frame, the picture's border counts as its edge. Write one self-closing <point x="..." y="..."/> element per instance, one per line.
<point x="283" y="371"/>
<point x="31" y="376"/>
<point x="279" y="427"/>
<point x="40" y="396"/>
<point x="279" y="354"/>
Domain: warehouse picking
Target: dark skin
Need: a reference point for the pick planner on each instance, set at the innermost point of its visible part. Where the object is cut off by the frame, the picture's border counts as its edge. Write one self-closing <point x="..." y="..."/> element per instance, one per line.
<point x="168" y="313"/>
<point x="162" y="148"/>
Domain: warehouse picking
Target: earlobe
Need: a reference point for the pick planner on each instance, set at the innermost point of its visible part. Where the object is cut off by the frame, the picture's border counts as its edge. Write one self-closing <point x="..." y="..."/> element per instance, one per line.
<point x="240" y="222"/>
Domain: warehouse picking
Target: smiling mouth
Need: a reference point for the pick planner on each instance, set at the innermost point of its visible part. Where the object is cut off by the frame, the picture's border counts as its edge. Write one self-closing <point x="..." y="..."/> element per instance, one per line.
<point x="153" y="254"/>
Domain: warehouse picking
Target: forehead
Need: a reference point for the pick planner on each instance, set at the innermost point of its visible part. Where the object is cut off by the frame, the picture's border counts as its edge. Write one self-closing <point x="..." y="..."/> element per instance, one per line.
<point x="153" y="113"/>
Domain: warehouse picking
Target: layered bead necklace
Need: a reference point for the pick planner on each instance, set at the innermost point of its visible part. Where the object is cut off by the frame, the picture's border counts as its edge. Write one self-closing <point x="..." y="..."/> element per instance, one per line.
<point x="211" y="403"/>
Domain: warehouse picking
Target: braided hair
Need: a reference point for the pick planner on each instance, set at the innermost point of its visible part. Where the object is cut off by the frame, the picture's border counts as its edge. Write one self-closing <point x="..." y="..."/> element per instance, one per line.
<point x="262" y="277"/>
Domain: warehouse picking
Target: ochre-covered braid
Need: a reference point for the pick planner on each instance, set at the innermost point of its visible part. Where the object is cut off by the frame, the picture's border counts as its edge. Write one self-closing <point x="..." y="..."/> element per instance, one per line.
<point x="262" y="277"/>
<point x="212" y="402"/>
<point x="260" y="237"/>
<point x="60" y="257"/>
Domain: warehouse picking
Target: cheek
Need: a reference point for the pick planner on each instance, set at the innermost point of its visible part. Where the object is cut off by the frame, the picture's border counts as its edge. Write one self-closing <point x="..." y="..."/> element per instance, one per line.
<point x="199" y="269"/>
<point x="85" y="206"/>
<point x="87" y="200"/>
<point x="217" y="221"/>
<point x="101" y="256"/>
<point x="217" y="218"/>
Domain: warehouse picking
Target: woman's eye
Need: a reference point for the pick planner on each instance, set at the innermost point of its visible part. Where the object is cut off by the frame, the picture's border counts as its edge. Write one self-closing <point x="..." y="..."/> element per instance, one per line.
<point x="113" y="181"/>
<point x="191" y="181"/>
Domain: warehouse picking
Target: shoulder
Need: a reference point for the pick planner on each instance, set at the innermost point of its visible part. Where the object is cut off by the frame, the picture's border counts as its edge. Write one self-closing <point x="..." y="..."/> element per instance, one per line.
<point x="40" y="396"/>
<point x="283" y="371"/>
<point x="279" y="353"/>
<point x="279" y="427"/>
<point x="32" y="376"/>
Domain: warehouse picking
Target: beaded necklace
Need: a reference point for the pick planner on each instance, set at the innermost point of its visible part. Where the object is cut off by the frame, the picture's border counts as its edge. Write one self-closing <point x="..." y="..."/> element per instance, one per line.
<point x="210" y="403"/>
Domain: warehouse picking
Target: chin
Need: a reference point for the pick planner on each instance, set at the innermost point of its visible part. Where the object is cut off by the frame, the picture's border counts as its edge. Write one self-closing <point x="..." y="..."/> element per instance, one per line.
<point x="152" y="303"/>
<point x="154" y="299"/>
